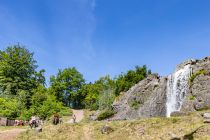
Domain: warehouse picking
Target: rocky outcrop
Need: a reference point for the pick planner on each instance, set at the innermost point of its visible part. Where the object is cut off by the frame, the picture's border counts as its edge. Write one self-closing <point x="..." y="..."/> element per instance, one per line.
<point x="145" y="99"/>
<point x="148" y="97"/>
<point x="198" y="97"/>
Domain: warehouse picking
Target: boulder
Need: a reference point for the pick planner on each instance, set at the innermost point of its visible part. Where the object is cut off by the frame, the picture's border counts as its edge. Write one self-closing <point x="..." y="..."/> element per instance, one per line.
<point x="146" y="99"/>
<point x="38" y="129"/>
<point x="106" y="129"/>
<point x="206" y="115"/>
<point x="206" y="121"/>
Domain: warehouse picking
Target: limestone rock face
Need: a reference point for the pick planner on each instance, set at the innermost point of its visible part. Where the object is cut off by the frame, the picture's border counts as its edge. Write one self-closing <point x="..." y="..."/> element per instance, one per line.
<point x="145" y="99"/>
<point x="148" y="97"/>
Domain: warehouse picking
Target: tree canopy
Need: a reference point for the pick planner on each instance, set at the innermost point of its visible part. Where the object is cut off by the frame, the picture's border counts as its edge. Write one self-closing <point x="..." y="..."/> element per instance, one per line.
<point x="66" y="85"/>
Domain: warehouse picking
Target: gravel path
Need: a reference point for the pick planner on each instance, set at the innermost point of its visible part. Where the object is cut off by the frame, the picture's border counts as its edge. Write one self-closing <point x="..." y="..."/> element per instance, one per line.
<point x="79" y="114"/>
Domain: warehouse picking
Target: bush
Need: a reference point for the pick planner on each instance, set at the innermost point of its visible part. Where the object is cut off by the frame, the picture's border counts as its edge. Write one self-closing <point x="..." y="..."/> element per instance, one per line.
<point x="106" y="99"/>
<point x="25" y="115"/>
<point x="125" y="81"/>
<point x="65" y="111"/>
<point x="8" y="108"/>
<point x="135" y="104"/>
<point x="105" y="114"/>
<point x="193" y="76"/>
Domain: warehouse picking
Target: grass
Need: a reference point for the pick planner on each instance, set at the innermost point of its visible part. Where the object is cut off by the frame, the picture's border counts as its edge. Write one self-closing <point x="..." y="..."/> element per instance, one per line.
<point x="144" y="129"/>
<point x="3" y="128"/>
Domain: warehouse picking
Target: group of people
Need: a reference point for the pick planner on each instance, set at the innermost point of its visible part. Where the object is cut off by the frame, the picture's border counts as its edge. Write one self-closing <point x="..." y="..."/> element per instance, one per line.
<point x="35" y="121"/>
<point x="57" y="119"/>
<point x="20" y="122"/>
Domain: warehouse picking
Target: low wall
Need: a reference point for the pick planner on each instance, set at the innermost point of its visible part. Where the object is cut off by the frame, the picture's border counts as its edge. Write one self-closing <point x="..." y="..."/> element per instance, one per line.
<point x="3" y="121"/>
<point x="6" y="122"/>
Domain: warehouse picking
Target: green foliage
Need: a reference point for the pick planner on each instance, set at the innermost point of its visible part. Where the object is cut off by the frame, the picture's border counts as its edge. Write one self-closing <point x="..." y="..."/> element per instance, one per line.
<point x="8" y="108"/>
<point x="105" y="114"/>
<point x="125" y="81"/>
<point x="91" y="93"/>
<point x="49" y="107"/>
<point x="44" y="104"/>
<point x="18" y="73"/>
<point x="135" y="104"/>
<point x="66" y="111"/>
<point x="106" y="98"/>
<point x="193" y="76"/>
<point x="66" y="86"/>
<point x="192" y="97"/>
<point x="98" y="94"/>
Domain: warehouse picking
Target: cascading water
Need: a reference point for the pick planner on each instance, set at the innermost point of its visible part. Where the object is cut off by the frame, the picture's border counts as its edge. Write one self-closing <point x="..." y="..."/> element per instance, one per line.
<point x="177" y="87"/>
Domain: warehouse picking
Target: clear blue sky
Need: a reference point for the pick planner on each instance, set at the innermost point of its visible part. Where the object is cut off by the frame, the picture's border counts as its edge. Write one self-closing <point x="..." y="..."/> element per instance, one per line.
<point x="102" y="37"/>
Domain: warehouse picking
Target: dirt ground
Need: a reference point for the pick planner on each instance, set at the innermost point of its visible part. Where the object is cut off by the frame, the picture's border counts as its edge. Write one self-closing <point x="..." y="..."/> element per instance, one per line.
<point x="11" y="134"/>
<point x="79" y="114"/>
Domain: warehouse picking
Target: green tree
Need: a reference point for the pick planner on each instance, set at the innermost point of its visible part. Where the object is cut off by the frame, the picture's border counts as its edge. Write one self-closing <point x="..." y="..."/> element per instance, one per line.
<point x="91" y="93"/>
<point x="18" y="72"/>
<point x="44" y="104"/>
<point x="98" y="93"/>
<point x="125" y="81"/>
<point x="66" y="86"/>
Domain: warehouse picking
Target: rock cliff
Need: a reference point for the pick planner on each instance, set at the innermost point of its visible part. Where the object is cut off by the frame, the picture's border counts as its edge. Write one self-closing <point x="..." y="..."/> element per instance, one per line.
<point x="156" y="95"/>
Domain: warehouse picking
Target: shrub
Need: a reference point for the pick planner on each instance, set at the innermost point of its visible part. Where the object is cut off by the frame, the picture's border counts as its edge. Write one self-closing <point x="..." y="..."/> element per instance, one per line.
<point x="192" y="97"/>
<point x="135" y="104"/>
<point x="106" y="98"/>
<point x="8" y="108"/>
<point x="65" y="111"/>
<point x="105" y="114"/>
<point x="193" y="76"/>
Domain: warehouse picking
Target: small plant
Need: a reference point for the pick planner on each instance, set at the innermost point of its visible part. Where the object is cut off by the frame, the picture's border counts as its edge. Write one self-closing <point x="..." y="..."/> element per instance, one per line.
<point x="135" y="104"/>
<point x="174" y="120"/>
<point x="192" y="97"/>
<point x="193" y="76"/>
<point x="105" y="114"/>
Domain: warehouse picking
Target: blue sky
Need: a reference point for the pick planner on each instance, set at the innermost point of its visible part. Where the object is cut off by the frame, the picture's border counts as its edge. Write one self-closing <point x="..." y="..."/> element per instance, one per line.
<point x="102" y="37"/>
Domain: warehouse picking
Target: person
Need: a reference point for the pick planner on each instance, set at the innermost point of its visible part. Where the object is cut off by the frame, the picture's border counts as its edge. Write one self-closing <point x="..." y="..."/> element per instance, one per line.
<point x="74" y="118"/>
<point x="33" y="122"/>
<point x="56" y="119"/>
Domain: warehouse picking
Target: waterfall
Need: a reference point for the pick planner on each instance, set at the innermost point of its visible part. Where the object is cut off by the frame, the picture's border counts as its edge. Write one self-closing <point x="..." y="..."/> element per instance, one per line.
<point x="177" y="87"/>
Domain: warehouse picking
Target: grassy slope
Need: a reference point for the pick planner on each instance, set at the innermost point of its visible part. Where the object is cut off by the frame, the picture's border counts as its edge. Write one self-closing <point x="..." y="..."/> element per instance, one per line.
<point x="4" y="128"/>
<point x="144" y="129"/>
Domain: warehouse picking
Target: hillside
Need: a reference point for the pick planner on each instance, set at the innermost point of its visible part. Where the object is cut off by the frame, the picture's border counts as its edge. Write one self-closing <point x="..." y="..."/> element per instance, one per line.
<point x="188" y="127"/>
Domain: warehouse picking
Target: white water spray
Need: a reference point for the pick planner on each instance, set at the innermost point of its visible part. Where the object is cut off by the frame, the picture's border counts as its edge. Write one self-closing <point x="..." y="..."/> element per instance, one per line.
<point x="177" y="87"/>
